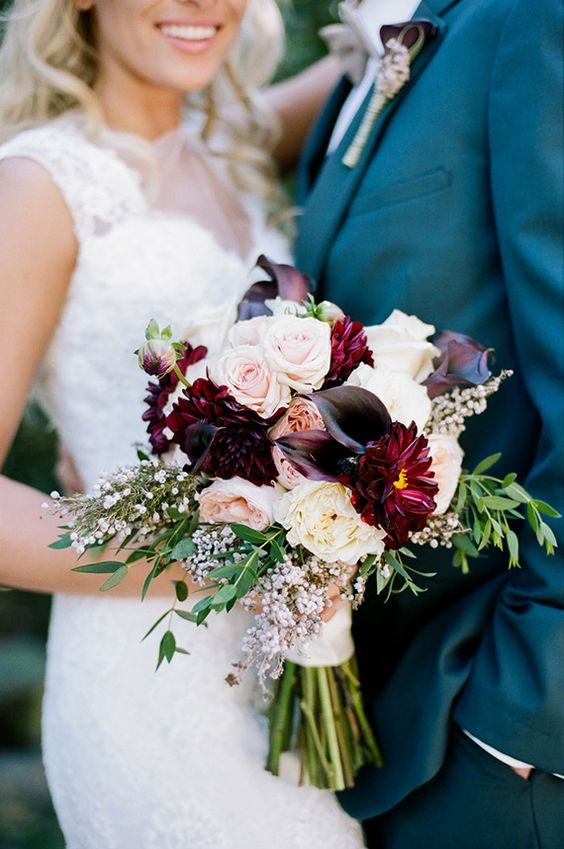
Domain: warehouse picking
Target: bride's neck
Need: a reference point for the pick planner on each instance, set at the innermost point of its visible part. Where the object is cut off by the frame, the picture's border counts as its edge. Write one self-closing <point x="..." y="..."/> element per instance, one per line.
<point x="132" y="107"/>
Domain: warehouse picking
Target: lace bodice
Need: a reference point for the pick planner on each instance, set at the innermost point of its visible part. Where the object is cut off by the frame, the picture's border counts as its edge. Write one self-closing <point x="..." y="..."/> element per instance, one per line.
<point x="138" y="760"/>
<point x="135" y="262"/>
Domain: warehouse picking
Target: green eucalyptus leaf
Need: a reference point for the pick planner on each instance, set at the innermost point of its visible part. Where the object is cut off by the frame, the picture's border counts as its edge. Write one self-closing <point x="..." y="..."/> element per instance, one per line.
<point x="187" y="615"/>
<point x="183" y="549"/>
<point x="106" y="567"/>
<point x="498" y="502"/>
<point x="465" y="545"/>
<point x="249" y="534"/>
<point x="223" y="596"/>
<point x="167" y="647"/>
<point x="224" y="572"/>
<point x="246" y="582"/>
<point x="549" y="534"/>
<point x="486" y="464"/>
<point x="545" y="508"/>
<point x="276" y="551"/>
<point x="181" y="590"/>
<point x="115" y="579"/>
<point x="203" y="605"/>
<point x="178" y="650"/>
<point x="64" y="541"/>
<point x="148" y="581"/>
<point x="518" y="493"/>
<point x="512" y="545"/>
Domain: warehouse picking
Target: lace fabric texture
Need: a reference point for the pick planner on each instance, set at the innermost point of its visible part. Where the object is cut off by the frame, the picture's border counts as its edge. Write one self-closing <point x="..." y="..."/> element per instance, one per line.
<point x="135" y="759"/>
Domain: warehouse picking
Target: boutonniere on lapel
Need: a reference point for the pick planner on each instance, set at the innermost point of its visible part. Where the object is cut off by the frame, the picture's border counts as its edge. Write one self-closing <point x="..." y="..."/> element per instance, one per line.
<point x="402" y="43"/>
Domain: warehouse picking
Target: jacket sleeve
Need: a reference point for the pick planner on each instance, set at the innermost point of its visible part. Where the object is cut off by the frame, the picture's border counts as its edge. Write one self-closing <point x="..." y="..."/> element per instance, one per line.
<point x="514" y="698"/>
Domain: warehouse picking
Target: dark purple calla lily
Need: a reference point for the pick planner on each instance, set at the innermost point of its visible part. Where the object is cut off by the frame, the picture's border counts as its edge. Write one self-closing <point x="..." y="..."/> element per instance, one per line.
<point x="353" y="417"/>
<point x="285" y="281"/>
<point x="462" y="362"/>
<point x="314" y="453"/>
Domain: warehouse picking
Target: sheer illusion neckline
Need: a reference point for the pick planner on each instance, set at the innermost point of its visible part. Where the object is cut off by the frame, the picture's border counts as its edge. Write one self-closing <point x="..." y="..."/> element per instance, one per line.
<point x="178" y="175"/>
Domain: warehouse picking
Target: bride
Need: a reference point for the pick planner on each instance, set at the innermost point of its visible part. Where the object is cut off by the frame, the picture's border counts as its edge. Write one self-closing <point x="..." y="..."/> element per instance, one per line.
<point x="134" y="183"/>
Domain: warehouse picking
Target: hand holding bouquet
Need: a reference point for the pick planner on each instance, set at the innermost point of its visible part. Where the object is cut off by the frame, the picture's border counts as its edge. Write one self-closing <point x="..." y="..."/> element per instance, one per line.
<point x="308" y="451"/>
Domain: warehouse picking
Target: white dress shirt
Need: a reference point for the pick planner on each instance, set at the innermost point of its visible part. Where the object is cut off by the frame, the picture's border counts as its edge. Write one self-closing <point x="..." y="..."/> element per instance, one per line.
<point x="372" y="15"/>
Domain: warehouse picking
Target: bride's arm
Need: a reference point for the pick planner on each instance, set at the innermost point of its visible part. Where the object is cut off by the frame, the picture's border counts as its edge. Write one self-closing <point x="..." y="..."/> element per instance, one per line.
<point x="37" y="256"/>
<point x="297" y="102"/>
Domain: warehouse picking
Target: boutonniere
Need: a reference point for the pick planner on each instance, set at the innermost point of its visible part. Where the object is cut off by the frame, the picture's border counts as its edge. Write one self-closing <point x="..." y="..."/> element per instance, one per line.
<point x="402" y="43"/>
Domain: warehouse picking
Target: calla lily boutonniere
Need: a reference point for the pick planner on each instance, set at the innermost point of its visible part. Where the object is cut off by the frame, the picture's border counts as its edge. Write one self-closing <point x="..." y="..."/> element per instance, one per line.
<point x="403" y="42"/>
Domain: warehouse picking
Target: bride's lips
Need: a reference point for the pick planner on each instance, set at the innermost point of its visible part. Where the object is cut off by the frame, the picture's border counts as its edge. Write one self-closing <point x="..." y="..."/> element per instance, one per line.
<point x="191" y="38"/>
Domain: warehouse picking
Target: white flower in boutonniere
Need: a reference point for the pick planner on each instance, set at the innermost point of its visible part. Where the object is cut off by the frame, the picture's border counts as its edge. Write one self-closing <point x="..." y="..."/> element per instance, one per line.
<point x="401" y="48"/>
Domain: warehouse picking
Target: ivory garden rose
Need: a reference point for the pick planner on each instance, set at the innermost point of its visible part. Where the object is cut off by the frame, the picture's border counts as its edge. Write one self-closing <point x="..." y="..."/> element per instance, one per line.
<point x="321" y="517"/>
<point x="401" y="344"/>
<point x="405" y="400"/>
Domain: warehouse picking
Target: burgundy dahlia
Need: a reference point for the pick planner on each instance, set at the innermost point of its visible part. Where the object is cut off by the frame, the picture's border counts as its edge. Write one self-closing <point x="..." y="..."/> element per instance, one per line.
<point x="220" y="436"/>
<point x="392" y="485"/>
<point x="159" y="394"/>
<point x="349" y="348"/>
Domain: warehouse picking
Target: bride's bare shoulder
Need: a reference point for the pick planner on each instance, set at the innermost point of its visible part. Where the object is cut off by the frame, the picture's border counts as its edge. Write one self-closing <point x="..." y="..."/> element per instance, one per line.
<point x="33" y="211"/>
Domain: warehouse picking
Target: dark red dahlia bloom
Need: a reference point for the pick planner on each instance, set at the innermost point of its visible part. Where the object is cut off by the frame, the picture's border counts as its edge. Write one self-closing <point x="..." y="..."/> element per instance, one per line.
<point x="349" y="348"/>
<point x="392" y="485"/>
<point x="159" y="394"/>
<point x="220" y="436"/>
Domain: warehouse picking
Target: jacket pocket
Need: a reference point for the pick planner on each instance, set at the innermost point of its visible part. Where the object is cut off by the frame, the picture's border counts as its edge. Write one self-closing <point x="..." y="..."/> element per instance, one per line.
<point x="404" y="190"/>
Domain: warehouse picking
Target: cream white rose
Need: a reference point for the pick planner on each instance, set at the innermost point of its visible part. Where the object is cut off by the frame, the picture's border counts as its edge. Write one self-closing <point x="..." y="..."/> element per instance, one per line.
<point x="400" y="343"/>
<point x="406" y="400"/>
<point x="249" y="332"/>
<point x="299" y="351"/>
<point x="250" y="379"/>
<point x="278" y="306"/>
<point x="238" y="500"/>
<point x="447" y="464"/>
<point x="321" y="517"/>
<point x="210" y="326"/>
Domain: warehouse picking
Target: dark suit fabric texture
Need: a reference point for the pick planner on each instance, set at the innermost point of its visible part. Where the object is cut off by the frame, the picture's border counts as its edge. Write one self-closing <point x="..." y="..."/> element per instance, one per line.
<point x="454" y="213"/>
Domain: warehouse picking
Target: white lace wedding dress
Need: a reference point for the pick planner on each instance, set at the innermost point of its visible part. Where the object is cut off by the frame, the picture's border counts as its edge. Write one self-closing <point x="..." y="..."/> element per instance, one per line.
<point x="137" y="759"/>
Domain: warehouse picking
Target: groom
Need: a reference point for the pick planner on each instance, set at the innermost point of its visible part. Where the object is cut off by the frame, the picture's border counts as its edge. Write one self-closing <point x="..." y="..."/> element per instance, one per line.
<point x="448" y="205"/>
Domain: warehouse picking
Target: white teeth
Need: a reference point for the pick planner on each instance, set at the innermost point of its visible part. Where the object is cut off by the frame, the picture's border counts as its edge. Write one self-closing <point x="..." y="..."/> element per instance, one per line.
<point x="188" y="33"/>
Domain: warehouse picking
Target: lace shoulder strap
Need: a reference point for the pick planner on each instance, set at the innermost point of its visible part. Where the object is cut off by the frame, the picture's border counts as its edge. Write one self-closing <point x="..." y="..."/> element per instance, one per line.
<point x="98" y="187"/>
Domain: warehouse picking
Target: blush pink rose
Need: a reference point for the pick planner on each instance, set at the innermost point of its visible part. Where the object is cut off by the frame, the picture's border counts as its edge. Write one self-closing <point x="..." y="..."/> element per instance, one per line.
<point x="299" y="351"/>
<point x="238" y="500"/>
<point x="300" y="415"/>
<point x="250" y="379"/>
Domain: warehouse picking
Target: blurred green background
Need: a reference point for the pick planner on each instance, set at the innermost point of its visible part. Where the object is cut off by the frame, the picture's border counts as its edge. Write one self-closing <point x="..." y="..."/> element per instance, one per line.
<point x="27" y="820"/>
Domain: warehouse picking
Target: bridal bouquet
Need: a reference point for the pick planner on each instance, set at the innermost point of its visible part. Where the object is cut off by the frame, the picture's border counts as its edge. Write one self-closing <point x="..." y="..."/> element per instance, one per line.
<point x="306" y="456"/>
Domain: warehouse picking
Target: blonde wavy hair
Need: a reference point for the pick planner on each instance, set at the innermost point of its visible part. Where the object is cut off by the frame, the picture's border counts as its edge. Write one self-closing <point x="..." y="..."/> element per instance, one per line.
<point x="49" y="64"/>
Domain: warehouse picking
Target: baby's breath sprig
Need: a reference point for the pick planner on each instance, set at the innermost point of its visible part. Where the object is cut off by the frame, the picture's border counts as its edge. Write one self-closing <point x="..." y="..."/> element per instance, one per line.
<point x="449" y="411"/>
<point x="148" y="509"/>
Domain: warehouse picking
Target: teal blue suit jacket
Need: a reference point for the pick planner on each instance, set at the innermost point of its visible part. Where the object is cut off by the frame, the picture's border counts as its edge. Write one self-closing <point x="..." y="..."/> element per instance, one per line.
<point x="454" y="213"/>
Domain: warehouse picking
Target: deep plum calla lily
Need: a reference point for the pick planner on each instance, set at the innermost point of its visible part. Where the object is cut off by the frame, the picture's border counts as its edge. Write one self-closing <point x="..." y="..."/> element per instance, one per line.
<point x="462" y="362"/>
<point x="285" y="282"/>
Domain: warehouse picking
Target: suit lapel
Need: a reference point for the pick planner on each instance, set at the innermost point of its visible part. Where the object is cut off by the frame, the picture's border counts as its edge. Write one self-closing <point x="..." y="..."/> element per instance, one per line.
<point x="334" y="189"/>
<point x="317" y="143"/>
